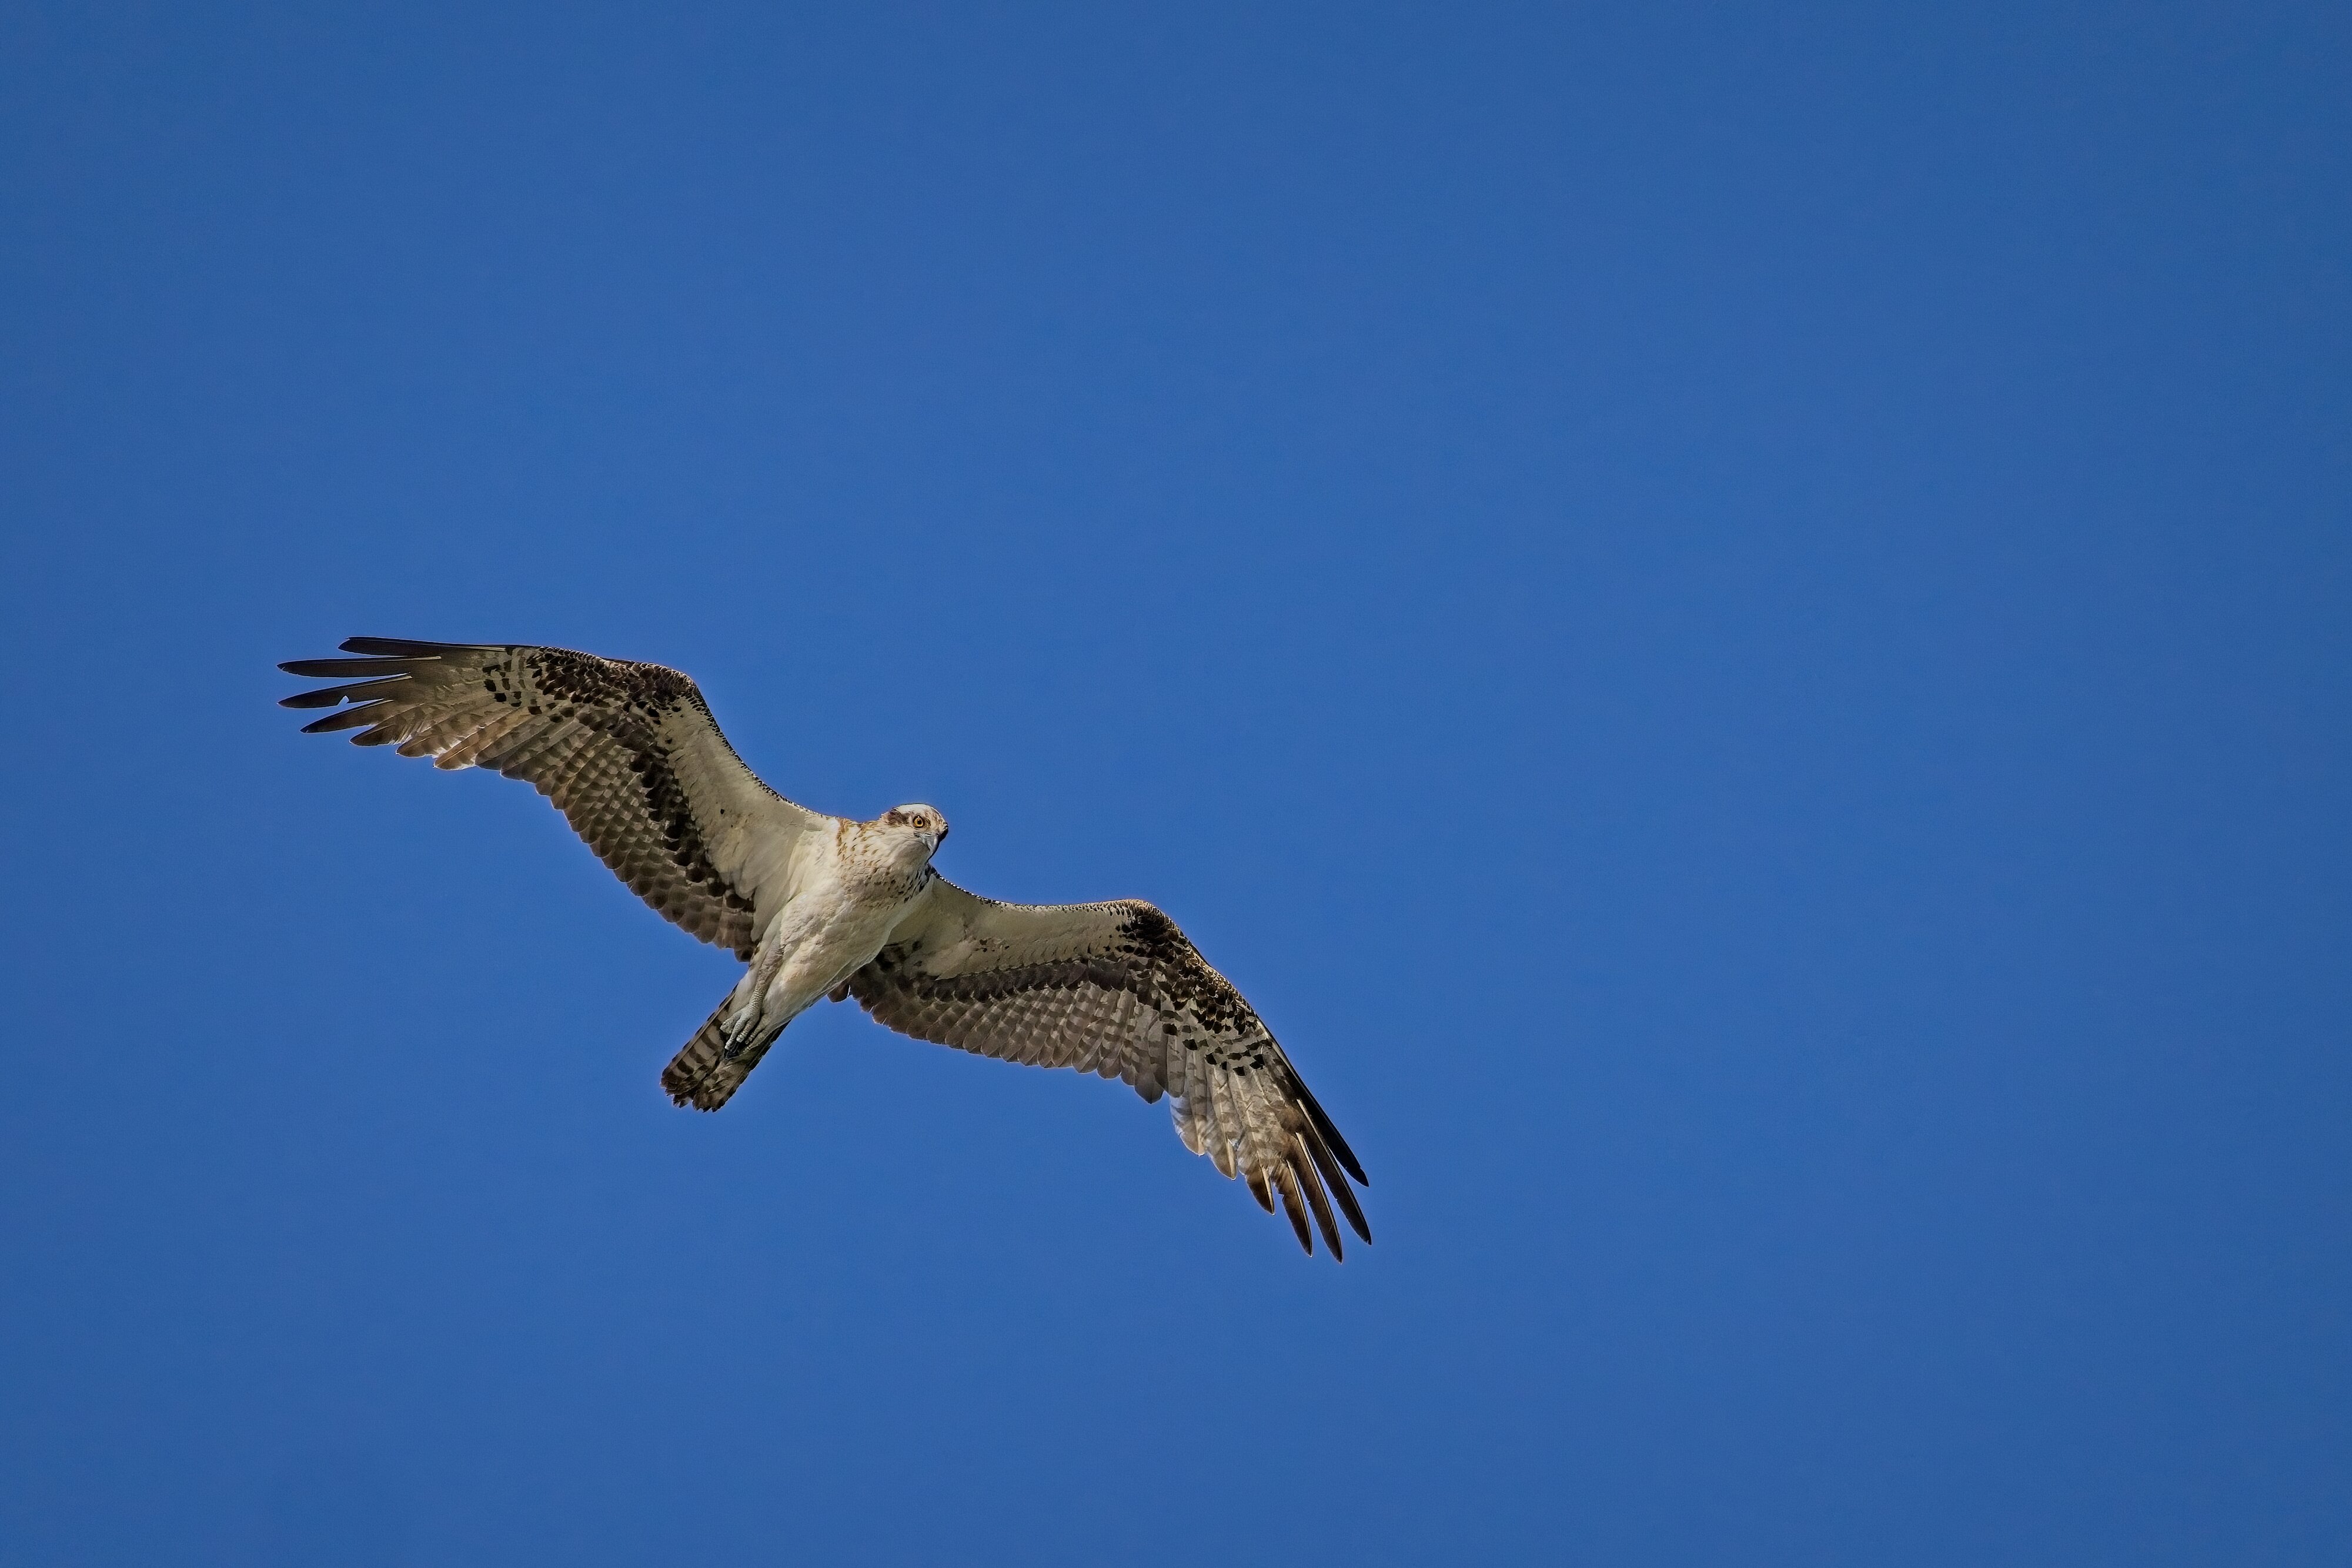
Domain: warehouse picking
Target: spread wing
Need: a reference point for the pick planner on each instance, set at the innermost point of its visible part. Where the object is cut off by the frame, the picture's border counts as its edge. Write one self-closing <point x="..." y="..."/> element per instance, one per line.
<point x="629" y="753"/>
<point x="1116" y="989"/>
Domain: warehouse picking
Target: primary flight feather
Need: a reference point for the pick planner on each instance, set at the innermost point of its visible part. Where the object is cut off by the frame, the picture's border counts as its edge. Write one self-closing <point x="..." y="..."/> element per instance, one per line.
<point x="820" y="906"/>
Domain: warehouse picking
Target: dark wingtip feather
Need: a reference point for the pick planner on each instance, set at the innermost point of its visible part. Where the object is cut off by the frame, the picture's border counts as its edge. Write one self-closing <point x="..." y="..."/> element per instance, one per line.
<point x="1331" y="1138"/>
<point x="355" y="692"/>
<point x="346" y="666"/>
<point x="358" y="717"/>
<point x="1255" y="1182"/>
<point x="403" y="647"/>
<point x="1337" y="1182"/>
<point x="1304" y="1169"/>
<point x="1295" y="1207"/>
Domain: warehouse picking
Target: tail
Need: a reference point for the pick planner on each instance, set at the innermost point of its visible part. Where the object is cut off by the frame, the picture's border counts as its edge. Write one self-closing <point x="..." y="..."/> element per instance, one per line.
<point x="702" y="1074"/>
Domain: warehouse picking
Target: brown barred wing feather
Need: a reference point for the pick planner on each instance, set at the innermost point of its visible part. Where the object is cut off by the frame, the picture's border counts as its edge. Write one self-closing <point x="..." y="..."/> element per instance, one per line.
<point x="1116" y="989"/>
<point x="629" y="752"/>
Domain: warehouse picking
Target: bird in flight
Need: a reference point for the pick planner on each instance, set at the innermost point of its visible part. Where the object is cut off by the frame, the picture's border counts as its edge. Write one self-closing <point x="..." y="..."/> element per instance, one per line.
<point x="820" y="906"/>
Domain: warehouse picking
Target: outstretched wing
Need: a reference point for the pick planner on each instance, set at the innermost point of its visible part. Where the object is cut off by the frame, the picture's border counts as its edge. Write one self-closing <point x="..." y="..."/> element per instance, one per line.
<point x="629" y="753"/>
<point x="1116" y="989"/>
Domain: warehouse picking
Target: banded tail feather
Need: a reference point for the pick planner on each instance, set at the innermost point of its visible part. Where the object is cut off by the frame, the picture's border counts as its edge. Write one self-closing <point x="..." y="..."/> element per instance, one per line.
<point x="702" y="1074"/>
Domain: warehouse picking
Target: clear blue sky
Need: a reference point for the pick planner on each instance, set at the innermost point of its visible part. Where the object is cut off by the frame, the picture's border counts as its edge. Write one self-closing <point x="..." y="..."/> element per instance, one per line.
<point x="1733" y="618"/>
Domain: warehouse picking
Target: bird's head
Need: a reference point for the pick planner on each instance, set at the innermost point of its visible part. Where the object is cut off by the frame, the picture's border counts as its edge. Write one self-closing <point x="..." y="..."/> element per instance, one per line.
<point x="921" y="822"/>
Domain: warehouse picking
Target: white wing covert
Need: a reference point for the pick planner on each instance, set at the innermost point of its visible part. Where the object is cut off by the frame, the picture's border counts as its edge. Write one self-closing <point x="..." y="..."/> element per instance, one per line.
<point x="1116" y="989"/>
<point x="629" y="752"/>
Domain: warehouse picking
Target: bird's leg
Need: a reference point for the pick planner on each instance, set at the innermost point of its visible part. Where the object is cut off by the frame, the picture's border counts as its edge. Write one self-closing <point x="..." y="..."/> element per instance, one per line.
<point x="742" y="1025"/>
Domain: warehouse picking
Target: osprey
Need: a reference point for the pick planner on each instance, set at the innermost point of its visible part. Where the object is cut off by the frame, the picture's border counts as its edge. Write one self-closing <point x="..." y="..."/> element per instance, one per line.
<point x="823" y="906"/>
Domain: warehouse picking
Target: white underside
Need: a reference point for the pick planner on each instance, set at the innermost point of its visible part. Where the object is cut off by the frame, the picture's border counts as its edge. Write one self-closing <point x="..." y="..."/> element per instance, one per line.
<point x="851" y="894"/>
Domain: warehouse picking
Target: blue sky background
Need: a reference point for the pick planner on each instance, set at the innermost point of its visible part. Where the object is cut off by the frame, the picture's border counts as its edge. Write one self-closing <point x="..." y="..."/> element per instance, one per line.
<point x="1732" y="617"/>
